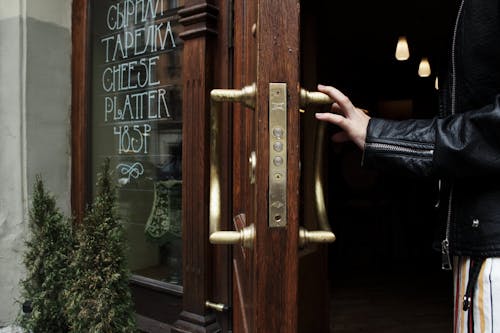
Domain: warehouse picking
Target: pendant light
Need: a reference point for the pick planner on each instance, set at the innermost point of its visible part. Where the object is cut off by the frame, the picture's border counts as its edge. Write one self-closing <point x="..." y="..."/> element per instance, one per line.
<point x="402" y="49"/>
<point x="424" y="69"/>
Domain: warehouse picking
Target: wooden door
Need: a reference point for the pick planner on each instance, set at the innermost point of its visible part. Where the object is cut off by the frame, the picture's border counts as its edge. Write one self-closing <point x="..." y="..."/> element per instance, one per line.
<point x="266" y="284"/>
<point x="266" y="49"/>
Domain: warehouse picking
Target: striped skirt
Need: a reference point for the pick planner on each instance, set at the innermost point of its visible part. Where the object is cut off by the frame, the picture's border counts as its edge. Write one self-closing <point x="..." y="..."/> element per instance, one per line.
<point x="485" y="296"/>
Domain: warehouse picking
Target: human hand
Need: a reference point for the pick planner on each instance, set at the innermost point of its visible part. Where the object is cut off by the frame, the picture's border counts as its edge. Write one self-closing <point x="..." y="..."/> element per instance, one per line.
<point x="353" y="121"/>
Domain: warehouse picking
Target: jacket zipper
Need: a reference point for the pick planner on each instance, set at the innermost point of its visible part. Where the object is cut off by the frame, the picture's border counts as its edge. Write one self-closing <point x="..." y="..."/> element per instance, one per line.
<point x="445" y="244"/>
<point x="401" y="149"/>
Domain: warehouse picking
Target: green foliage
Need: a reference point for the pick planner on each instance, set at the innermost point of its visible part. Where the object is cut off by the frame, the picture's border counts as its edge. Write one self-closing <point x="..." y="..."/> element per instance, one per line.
<point x="99" y="299"/>
<point x="77" y="282"/>
<point x="46" y="261"/>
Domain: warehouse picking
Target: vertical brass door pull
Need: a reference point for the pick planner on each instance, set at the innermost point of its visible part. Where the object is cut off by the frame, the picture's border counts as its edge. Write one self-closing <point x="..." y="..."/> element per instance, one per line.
<point x="325" y="234"/>
<point x="246" y="96"/>
<point x="245" y="237"/>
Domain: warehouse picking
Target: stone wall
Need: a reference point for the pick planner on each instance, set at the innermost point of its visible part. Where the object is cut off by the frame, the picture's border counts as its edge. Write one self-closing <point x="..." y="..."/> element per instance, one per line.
<point x="35" y="97"/>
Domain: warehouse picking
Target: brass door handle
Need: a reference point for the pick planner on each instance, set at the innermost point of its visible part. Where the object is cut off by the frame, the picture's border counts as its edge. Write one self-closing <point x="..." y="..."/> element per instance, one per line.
<point x="308" y="98"/>
<point x="316" y="236"/>
<point x="246" y="96"/>
<point x="219" y="307"/>
<point x="244" y="237"/>
<point x="325" y="234"/>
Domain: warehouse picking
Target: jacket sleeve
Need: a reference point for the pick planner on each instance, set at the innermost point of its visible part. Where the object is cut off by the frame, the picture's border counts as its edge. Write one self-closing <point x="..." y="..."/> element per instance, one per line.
<point x="461" y="145"/>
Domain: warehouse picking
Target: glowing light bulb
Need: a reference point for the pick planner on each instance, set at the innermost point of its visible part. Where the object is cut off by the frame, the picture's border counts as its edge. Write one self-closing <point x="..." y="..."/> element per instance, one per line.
<point x="402" y="49"/>
<point x="436" y="83"/>
<point x="424" y="69"/>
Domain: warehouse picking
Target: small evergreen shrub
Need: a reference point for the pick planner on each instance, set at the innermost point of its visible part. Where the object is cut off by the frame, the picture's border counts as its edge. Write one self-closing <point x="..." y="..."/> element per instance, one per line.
<point x="46" y="261"/>
<point x="99" y="299"/>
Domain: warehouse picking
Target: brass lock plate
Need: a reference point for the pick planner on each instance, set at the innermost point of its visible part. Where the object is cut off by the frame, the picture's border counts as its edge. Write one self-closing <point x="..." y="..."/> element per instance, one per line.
<point x="277" y="154"/>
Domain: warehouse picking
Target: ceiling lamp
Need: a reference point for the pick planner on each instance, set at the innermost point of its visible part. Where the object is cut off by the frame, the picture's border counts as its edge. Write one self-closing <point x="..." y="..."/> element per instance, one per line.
<point x="402" y="50"/>
<point x="424" y="69"/>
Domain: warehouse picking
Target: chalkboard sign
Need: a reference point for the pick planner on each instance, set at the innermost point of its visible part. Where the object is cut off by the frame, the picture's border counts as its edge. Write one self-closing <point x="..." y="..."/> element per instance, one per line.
<point x="136" y="121"/>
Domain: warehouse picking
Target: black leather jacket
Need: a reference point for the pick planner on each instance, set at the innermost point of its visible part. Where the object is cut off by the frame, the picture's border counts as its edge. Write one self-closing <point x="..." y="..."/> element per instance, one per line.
<point x="462" y="146"/>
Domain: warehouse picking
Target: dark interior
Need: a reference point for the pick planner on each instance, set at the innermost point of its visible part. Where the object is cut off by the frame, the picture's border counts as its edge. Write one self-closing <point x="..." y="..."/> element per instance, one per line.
<point x="385" y="273"/>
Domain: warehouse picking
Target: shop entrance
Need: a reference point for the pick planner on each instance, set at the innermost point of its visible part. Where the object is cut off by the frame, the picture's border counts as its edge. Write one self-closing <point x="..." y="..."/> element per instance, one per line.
<point x="248" y="174"/>
<point x="384" y="273"/>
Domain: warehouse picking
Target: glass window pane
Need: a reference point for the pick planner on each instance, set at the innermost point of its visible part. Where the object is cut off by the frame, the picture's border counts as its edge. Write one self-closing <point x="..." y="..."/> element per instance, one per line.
<point x="136" y="121"/>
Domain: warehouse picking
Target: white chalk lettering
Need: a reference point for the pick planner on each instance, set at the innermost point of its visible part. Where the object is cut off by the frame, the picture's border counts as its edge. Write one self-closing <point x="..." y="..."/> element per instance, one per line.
<point x="132" y="139"/>
<point x="137" y="33"/>
<point x="151" y="38"/>
<point x="146" y="105"/>
<point x="133" y="12"/>
<point x="169" y="33"/>
<point x="130" y="75"/>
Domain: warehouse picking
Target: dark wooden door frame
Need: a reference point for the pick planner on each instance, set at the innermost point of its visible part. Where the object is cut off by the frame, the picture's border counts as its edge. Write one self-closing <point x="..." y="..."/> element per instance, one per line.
<point x="206" y="36"/>
<point x="79" y="118"/>
<point x="206" y="65"/>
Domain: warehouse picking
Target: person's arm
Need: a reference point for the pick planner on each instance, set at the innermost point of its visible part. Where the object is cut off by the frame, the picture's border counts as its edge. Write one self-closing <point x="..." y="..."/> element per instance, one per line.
<point x="406" y="146"/>
<point x="468" y="144"/>
<point x="460" y="145"/>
